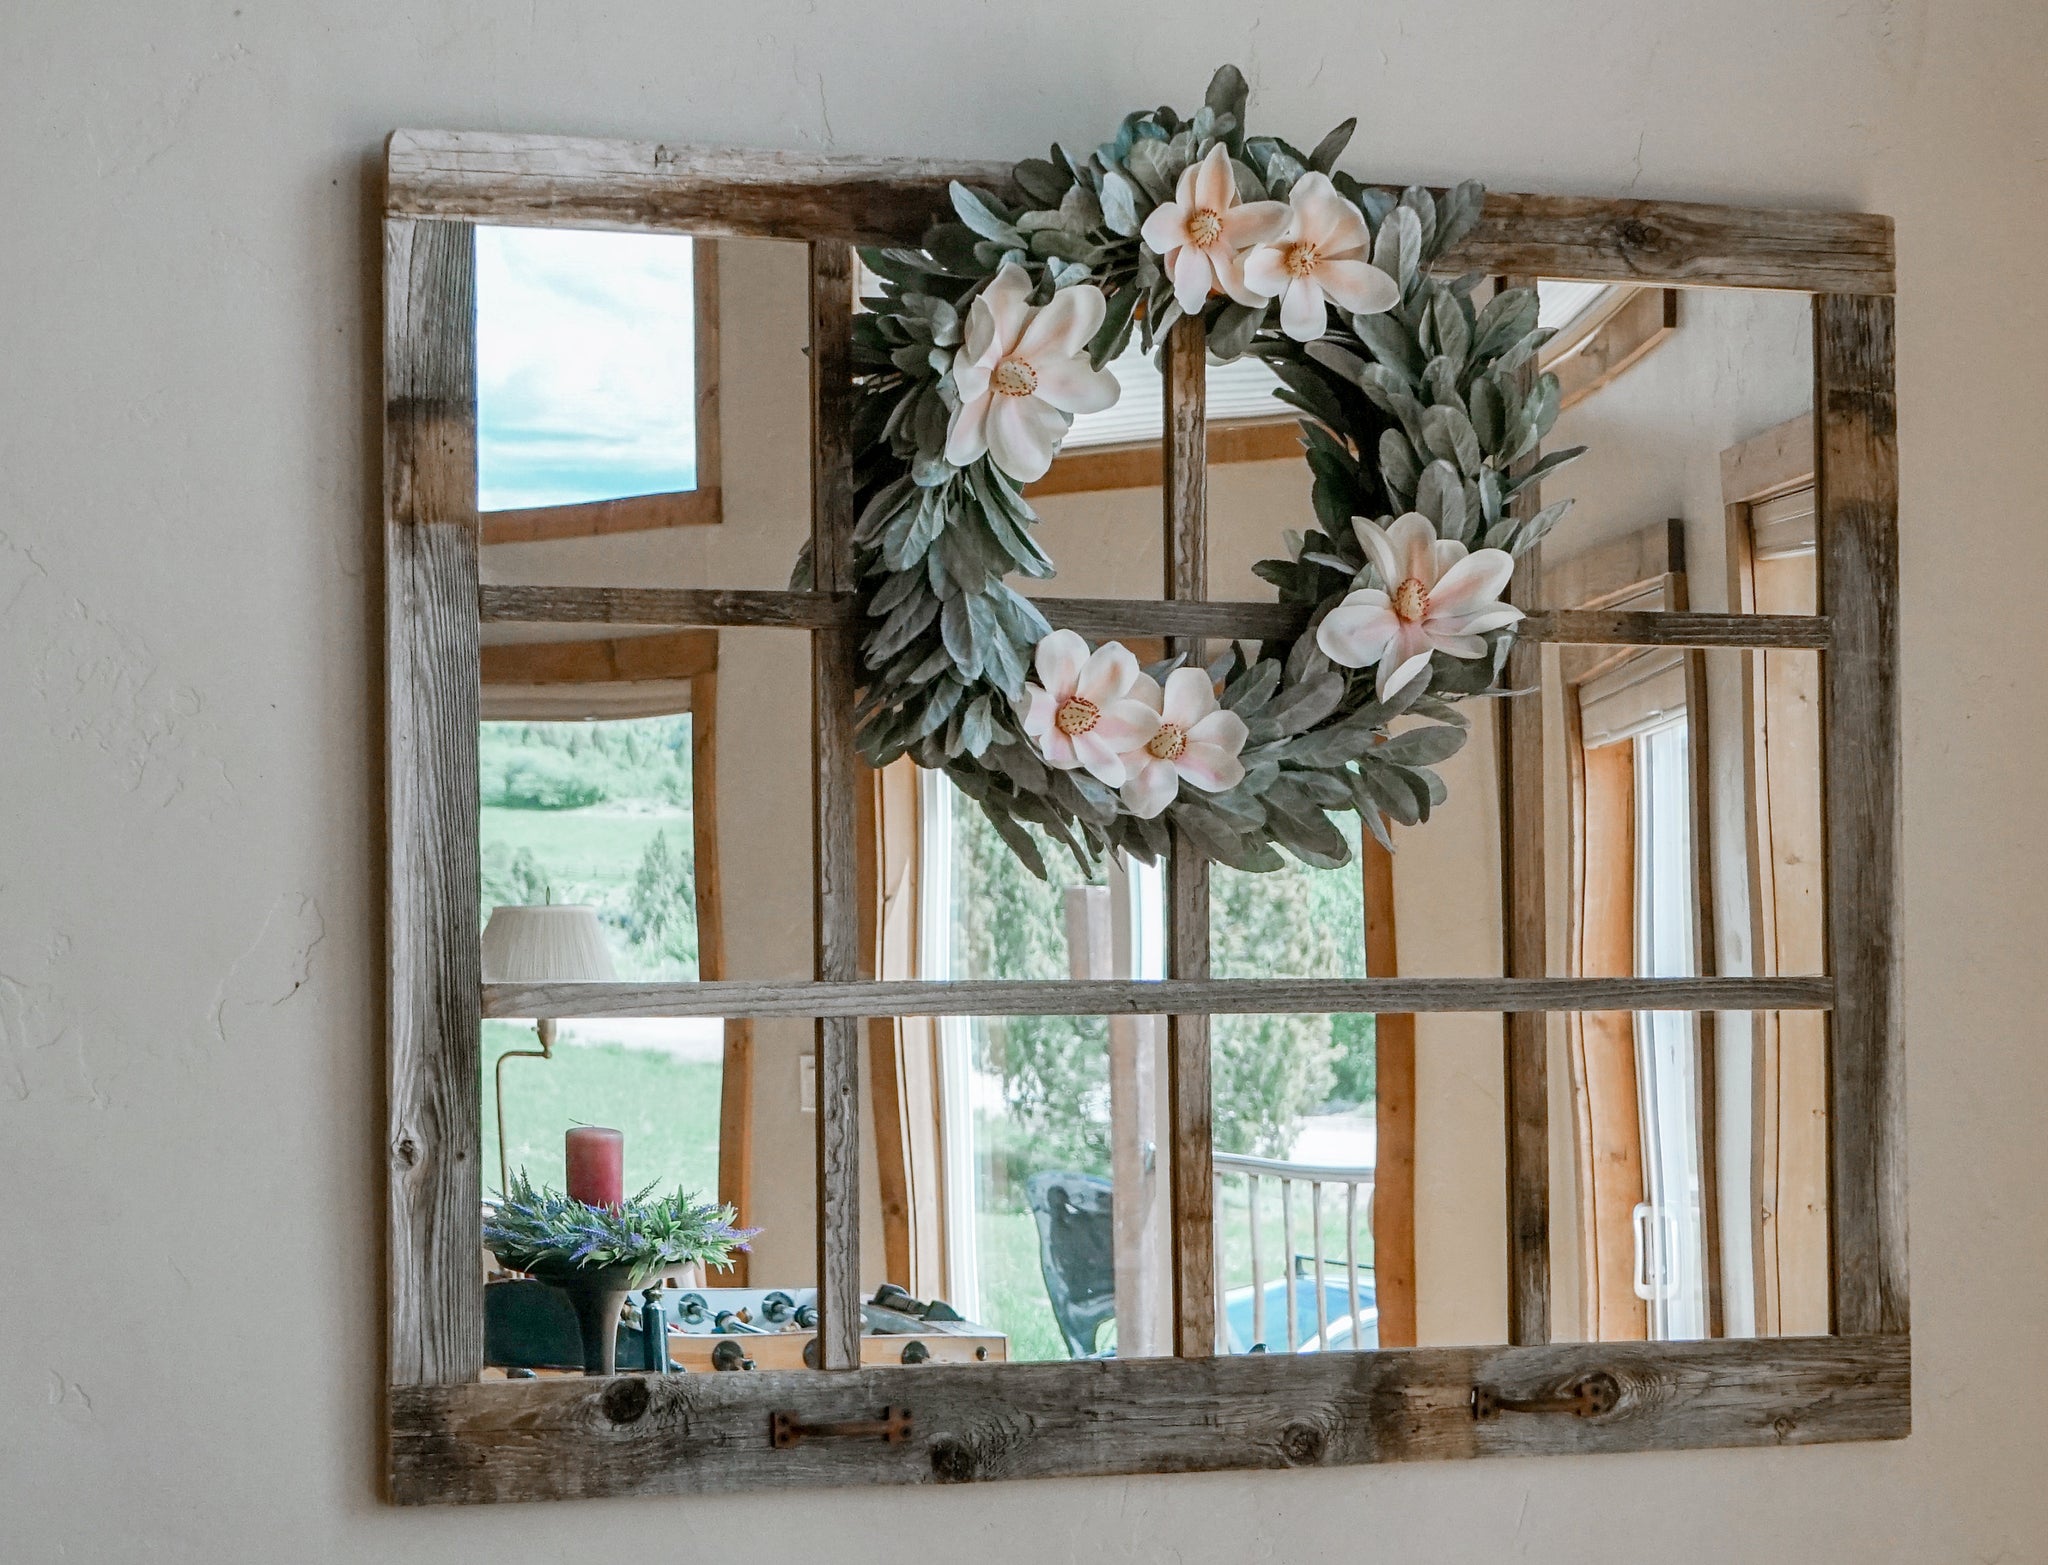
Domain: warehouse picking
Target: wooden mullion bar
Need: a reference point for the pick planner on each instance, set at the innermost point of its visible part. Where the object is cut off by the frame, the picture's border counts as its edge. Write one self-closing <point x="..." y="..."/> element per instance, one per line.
<point x="1153" y="997"/>
<point x="1857" y="484"/>
<point x="690" y="608"/>
<point x="1524" y="925"/>
<point x="1186" y="519"/>
<point x="834" y="782"/>
<point x="435" y="1133"/>
<point x="572" y="182"/>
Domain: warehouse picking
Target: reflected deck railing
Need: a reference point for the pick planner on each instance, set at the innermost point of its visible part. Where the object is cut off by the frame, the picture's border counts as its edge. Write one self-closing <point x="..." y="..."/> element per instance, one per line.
<point x="1255" y="1172"/>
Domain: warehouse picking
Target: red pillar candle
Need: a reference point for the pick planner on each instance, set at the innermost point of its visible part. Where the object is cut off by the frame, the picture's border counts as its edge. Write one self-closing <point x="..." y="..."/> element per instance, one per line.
<point x="596" y="1159"/>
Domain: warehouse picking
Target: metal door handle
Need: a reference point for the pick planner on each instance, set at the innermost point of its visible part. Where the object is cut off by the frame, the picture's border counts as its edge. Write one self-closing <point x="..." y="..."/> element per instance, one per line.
<point x="786" y="1429"/>
<point x="1589" y="1398"/>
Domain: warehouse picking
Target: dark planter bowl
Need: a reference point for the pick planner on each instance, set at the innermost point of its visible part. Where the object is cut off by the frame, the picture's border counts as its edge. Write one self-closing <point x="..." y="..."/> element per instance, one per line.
<point x="596" y="1293"/>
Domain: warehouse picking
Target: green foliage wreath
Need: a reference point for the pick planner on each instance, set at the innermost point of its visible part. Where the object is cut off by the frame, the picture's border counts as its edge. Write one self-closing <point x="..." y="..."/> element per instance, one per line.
<point x="1421" y="417"/>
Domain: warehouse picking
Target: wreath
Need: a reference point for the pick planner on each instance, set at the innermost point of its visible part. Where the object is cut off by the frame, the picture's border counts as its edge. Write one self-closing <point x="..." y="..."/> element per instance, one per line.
<point x="1420" y="419"/>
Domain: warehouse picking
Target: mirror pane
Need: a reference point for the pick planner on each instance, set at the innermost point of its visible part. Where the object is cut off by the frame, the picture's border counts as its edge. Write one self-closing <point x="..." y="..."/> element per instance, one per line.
<point x="1694" y="405"/>
<point x="643" y="408"/>
<point x="1690" y="1175"/>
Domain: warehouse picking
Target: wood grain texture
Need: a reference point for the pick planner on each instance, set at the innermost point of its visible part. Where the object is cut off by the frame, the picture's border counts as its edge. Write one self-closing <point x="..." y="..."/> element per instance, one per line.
<point x="680" y="654"/>
<point x="668" y="606"/>
<point x="433" y="1143"/>
<point x="578" y="1438"/>
<point x="1393" y="1192"/>
<point x="836" y="780"/>
<point x="1658" y="628"/>
<point x="1598" y="239"/>
<point x="1524" y="932"/>
<point x="641" y="513"/>
<point x="1184" y="500"/>
<point x="573" y="182"/>
<point x="564" y="181"/>
<point x="736" y="1077"/>
<point x="1858" y="498"/>
<point x="1155" y="997"/>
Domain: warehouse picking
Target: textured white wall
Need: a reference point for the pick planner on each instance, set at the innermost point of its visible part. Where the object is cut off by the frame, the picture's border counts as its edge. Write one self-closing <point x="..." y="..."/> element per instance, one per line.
<point x="190" y="890"/>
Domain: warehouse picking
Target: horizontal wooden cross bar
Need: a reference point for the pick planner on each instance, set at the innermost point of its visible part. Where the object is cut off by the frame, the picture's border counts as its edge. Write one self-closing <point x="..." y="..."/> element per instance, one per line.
<point x="704" y="607"/>
<point x="1155" y="997"/>
<point x="572" y="182"/>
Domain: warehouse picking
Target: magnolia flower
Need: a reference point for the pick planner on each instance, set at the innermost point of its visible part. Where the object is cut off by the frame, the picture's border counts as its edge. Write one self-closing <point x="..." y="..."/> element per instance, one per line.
<point x="1084" y="712"/>
<point x="1322" y="253"/>
<point x="1023" y="373"/>
<point x="1441" y="600"/>
<point x="1196" y="739"/>
<point x="1201" y="235"/>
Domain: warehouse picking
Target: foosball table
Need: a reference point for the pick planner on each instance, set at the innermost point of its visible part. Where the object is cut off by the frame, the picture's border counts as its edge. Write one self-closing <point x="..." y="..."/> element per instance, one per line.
<point x="530" y="1329"/>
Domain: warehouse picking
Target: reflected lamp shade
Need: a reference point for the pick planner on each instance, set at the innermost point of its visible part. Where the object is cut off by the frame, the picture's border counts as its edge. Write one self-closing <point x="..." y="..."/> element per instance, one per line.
<point x="538" y="945"/>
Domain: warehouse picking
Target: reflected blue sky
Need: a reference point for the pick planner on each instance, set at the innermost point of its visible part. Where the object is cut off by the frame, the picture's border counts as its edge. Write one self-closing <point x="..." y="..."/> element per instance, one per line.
<point x="585" y="366"/>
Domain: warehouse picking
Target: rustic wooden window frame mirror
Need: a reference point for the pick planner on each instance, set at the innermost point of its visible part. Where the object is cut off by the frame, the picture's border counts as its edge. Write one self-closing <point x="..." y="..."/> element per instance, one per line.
<point x="455" y="1438"/>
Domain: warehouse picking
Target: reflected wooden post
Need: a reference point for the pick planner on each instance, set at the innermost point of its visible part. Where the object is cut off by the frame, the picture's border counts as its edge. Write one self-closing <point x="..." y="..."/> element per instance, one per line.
<point x="1186" y="503"/>
<point x="1526" y="1064"/>
<point x="836" y="773"/>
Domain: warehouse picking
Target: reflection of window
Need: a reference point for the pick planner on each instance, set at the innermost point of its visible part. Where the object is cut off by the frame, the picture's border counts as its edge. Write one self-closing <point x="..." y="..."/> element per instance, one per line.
<point x="602" y="813"/>
<point x="1643" y="1165"/>
<point x="1243" y="388"/>
<point x="596" y="382"/>
<point x="1047" y="1123"/>
<point x="1670" y="1238"/>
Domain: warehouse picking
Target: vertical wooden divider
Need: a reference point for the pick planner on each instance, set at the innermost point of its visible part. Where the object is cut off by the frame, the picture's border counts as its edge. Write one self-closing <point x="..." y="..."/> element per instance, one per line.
<point x="835" y="778"/>
<point x="1523" y="920"/>
<point x="1186" y="500"/>
<point x="1856" y="450"/>
<point x="1393" y="1189"/>
<point x="435" y="1000"/>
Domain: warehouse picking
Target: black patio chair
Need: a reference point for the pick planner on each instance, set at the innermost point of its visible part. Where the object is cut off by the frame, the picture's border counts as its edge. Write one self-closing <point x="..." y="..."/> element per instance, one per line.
<point x="1076" y="1252"/>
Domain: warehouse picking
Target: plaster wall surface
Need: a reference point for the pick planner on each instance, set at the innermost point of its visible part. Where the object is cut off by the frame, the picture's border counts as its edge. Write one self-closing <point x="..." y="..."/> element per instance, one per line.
<point x="191" y="931"/>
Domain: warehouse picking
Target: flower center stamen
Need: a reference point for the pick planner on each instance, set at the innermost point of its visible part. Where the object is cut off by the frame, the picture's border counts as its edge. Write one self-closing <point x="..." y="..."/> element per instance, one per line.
<point x="1168" y="743"/>
<point x="1302" y="259"/>
<point x="1205" y="227"/>
<point x="1411" y="600"/>
<point x="1076" y="715"/>
<point x="1014" y="378"/>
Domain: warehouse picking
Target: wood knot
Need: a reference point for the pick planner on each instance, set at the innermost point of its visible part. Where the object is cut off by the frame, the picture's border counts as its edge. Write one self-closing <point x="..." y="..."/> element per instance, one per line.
<point x="626" y="1399"/>
<point x="1302" y="1443"/>
<point x="407" y="1152"/>
<point x="953" y="1462"/>
<point x="1635" y="234"/>
<point x="1783" y="1426"/>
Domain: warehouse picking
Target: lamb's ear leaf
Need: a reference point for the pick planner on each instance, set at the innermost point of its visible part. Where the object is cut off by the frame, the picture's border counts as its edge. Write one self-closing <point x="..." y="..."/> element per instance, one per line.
<point x="1457" y="214"/>
<point x="1121" y="200"/>
<point x="1232" y="332"/>
<point x="1331" y="147"/>
<point x="982" y="213"/>
<point x="1417" y="199"/>
<point x="1042" y="181"/>
<point x="1228" y="93"/>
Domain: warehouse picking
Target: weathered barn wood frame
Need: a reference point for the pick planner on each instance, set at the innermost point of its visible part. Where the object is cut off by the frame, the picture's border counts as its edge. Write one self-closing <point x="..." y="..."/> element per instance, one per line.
<point x="453" y="1438"/>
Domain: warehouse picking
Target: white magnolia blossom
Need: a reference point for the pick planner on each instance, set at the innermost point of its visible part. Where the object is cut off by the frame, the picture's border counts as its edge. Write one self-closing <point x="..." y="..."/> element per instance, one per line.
<point x="1320" y="256"/>
<point x="1196" y="740"/>
<point x="1439" y="598"/>
<point x="1023" y="373"/>
<point x="1083" y="712"/>
<point x="1201" y="235"/>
